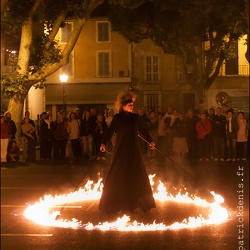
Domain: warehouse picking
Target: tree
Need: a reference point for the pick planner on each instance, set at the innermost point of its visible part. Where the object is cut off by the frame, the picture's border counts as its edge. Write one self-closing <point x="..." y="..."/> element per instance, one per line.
<point x="39" y="53"/>
<point x="178" y="27"/>
<point x="181" y="27"/>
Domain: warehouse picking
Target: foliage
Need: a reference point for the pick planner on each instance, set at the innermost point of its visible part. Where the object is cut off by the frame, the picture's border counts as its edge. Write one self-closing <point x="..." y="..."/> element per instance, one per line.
<point x="178" y="27"/>
<point x="42" y="56"/>
<point x="43" y="50"/>
<point x="13" y="86"/>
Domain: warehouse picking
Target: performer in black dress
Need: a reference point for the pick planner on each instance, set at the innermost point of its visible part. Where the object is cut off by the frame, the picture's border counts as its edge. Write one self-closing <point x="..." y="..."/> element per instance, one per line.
<point x="126" y="186"/>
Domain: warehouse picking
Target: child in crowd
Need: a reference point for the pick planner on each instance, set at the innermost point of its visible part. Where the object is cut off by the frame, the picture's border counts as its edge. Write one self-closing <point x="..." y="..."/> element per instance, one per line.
<point x="13" y="152"/>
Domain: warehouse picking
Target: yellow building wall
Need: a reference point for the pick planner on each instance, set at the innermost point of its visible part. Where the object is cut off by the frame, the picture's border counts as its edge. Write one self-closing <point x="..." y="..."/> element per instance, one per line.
<point x="167" y="65"/>
<point x="85" y="55"/>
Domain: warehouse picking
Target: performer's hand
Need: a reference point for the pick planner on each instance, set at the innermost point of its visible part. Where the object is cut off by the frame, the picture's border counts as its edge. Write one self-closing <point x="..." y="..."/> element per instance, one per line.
<point x="152" y="145"/>
<point x="102" y="148"/>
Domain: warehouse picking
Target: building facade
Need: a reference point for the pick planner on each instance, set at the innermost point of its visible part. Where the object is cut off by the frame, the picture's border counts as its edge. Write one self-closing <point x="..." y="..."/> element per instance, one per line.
<point x="103" y="63"/>
<point x="98" y="68"/>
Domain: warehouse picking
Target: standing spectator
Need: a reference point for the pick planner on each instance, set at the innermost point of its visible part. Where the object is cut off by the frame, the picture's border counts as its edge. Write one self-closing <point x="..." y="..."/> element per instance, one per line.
<point x="108" y="121"/>
<point x="180" y="142"/>
<point x="152" y="127"/>
<point x="5" y="131"/>
<point x="99" y="131"/>
<point x="231" y="135"/>
<point x="106" y="113"/>
<point x="47" y="137"/>
<point x="242" y="135"/>
<point x="11" y="124"/>
<point x="40" y="125"/>
<point x="169" y="121"/>
<point x="68" y="152"/>
<point x="190" y="122"/>
<point x="225" y="109"/>
<point x="93" y="114"/>
<point x="29" y="135"/>
<point x="142" y="121"/>
<point x="86" y="133"/>
<point x="13" y="152"/>
<point x="109" y="117"/>
<point x="161" y="133"/>
<point x="60" y="135"/>
<point x="41" y="120"/>
<point x="211" y="114"/>
<point x="168" y="113"/>
<point x="77" y="113"/>
<point x="93" y="117"/>
<point x="27" y="114"/>
<point x="64" y="115"/>
<point x="219" y="135"/>
<point x="203" y="129"/>
<point x="74" y="135"/>
<point x="24" y="140"/>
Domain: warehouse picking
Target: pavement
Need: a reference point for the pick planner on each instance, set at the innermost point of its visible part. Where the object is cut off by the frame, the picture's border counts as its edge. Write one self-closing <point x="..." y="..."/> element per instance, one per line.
<point x="25" y="183"/>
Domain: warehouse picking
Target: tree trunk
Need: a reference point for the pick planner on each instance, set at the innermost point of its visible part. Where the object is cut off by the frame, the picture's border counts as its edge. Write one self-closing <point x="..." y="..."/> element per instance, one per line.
<point x="15" y="108"/>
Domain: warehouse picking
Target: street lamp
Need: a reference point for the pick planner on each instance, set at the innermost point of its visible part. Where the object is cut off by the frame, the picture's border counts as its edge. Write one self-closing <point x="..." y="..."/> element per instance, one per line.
<point x="63" y="79"/>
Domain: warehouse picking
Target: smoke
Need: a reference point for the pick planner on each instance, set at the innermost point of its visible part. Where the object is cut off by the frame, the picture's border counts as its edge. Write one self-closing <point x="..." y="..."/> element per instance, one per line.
<point x="180" y="175"/>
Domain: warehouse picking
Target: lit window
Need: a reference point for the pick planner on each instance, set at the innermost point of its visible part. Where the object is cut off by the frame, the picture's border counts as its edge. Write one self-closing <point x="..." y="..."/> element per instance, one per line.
<point x="66" y="32"/>
<point x="103" y="63"/>
<point x="152" y="69"/>
<point x="103" y="32"/>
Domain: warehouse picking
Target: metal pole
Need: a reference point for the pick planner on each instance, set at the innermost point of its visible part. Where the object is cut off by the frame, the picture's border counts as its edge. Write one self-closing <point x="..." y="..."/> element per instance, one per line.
<point x="63" y="79"/>
<point x="63" y="95"/>
<point x="166" y="156"/>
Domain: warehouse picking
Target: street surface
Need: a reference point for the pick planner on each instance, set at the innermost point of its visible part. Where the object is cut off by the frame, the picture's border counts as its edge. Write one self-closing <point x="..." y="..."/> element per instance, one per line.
<point x="26" y="183"/>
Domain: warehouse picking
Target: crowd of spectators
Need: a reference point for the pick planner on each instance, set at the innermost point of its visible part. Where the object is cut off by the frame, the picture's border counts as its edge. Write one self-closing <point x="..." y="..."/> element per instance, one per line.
<point x="209" y="135"/>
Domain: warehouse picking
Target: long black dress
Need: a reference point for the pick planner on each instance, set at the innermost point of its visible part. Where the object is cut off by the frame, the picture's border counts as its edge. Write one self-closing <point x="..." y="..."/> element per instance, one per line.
<point x="127" y="184"/>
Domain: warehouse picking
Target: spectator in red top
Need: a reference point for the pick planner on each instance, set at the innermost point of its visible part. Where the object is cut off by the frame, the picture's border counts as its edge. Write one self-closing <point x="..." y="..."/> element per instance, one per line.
<point x="203" y="129"/>
<point x="5" y="133"/>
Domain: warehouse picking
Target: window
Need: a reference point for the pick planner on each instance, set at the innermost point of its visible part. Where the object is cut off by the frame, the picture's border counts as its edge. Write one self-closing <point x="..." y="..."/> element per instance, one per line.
<point x="103" y="67"/>
<point x="103" y="34"/>
<point x="152" y="69"/>
<point x="66" y="32"/>
<point x="153" y="102"/>
<point x="69" y="68"/>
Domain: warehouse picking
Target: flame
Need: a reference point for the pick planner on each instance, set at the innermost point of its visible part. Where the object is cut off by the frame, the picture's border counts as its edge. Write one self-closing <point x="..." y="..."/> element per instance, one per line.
<point x="40" y="212"/>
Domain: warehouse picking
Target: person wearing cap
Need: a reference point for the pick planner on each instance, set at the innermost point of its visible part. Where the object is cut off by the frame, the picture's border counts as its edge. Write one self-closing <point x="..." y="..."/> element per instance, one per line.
<point x="126" y="186"/>
<point x="77" y="114"/>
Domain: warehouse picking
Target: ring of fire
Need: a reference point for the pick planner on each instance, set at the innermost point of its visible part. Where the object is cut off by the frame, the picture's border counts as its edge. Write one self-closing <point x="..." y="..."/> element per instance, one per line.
<point x="40" y="213"/>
